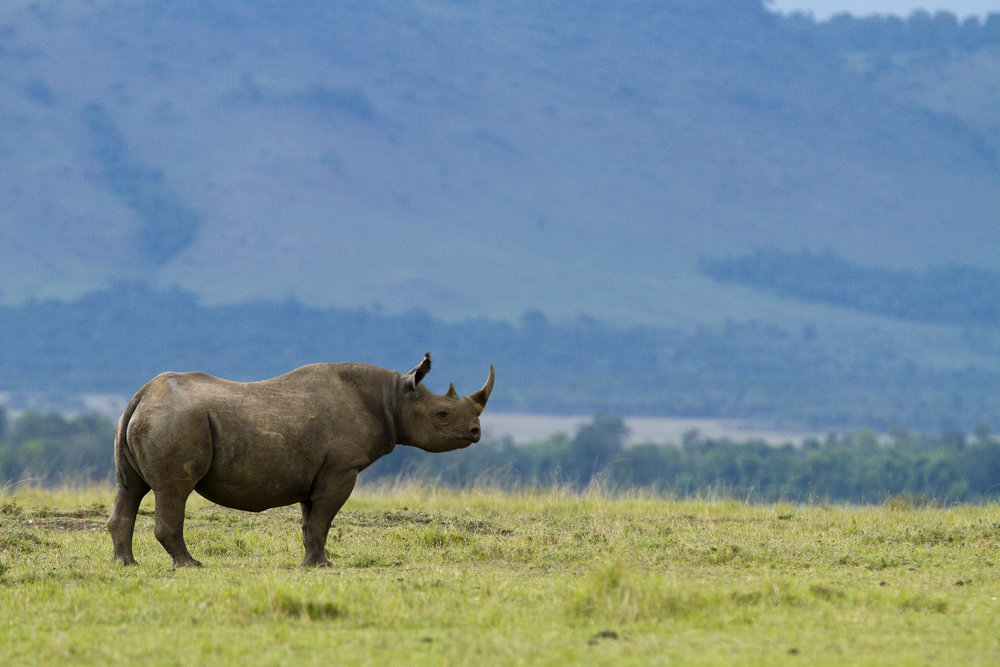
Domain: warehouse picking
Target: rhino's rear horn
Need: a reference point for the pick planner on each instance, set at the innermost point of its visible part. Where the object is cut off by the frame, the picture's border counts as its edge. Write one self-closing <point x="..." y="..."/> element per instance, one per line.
<point x="483" y="395"/>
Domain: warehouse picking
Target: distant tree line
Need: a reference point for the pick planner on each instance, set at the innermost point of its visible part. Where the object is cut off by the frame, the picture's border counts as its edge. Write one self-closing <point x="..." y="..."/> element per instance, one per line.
<point x="886" y="34"/>
<point x="50" y="449"/>
<point x="858" y="467"/>
<point x="955" y="295"/>
<point x="113" y="341"/>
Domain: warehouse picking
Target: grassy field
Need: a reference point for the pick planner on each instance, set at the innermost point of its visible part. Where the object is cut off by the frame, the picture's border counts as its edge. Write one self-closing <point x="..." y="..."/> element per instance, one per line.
<point x="432" y="576"/>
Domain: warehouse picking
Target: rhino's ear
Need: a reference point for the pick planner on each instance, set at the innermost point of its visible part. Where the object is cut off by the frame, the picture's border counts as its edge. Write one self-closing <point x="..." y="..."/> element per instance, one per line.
<point x="413" y="378"/>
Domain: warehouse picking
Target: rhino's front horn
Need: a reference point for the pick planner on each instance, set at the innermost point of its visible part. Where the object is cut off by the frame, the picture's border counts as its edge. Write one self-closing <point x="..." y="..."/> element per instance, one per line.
<point x="483" y="395"/>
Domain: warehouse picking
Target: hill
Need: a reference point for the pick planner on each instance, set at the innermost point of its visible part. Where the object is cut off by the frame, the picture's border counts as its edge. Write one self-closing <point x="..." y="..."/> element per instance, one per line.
<point x="683" y="208"/>
<point x="484" y="158"/>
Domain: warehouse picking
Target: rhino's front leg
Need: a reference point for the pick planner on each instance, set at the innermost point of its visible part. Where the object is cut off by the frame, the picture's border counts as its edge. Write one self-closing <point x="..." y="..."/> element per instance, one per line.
<point x="329" y="495"/>
<point x="169" y="526"/>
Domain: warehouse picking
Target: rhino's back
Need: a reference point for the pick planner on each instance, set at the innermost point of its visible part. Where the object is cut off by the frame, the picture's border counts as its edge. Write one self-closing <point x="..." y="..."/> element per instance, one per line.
<point x="300" y="390"/>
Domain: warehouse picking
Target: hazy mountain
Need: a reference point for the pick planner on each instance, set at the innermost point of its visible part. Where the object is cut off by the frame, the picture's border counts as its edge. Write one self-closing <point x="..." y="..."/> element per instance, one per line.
<point x="484" y="157"/>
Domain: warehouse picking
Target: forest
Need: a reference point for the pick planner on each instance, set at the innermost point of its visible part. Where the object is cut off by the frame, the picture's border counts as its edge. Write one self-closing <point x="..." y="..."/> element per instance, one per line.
<point x="949" y="294"/>
<point x="952" y="466"/>
<point x="113" y="341"/>
<point x="887" y="34"/>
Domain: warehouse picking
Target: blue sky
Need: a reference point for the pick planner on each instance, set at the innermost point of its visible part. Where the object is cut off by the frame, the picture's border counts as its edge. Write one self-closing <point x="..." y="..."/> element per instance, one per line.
<point x="825" y="8"/>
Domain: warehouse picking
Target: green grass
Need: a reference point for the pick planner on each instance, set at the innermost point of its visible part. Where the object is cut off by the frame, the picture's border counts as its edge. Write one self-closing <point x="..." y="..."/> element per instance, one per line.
<point x="431" y="576"/>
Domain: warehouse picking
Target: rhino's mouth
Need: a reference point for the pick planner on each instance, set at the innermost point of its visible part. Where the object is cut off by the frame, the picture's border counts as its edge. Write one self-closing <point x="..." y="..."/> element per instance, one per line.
<point x="469" y="439"/>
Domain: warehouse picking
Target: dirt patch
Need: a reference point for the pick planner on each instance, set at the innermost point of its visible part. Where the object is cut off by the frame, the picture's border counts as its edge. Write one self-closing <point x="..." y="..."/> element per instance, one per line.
<point x="386" y="519"/>
<point x="94" y="511"/>
<point x="86" y="519"/>
<point x="64" y="523"/>
<point x="395" y="519"/>
<point x="482" y="528"/>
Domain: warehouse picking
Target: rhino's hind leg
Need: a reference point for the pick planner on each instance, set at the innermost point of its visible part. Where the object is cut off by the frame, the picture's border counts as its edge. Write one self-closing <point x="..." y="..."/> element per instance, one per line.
<point x="318" y="513"/>
<point x="121" y="525"/>
<point x="169" y="526"/>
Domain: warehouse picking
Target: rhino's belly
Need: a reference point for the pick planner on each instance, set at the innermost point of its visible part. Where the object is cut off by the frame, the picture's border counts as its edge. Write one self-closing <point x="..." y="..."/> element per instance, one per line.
<point x="252" y="494"/>
<point x="259" y="470"/>
<point x="257" y="484"/>
<point x="248" y="499"/>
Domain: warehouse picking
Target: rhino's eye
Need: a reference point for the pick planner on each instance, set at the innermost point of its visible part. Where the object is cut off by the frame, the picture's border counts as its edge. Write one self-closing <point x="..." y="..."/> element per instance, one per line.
<point x="442" y="414"/>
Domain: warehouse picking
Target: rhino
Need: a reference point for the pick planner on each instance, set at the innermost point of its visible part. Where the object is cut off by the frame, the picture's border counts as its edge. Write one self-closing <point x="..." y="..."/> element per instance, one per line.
<point x="301" y="437"/>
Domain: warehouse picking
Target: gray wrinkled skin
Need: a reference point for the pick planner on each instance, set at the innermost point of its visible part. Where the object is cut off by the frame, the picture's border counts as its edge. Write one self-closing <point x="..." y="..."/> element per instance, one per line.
<point x="302" y="437"/>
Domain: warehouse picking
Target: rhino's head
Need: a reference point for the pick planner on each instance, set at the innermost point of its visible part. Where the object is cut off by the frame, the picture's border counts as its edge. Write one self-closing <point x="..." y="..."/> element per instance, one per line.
<point x="439" y="423"/>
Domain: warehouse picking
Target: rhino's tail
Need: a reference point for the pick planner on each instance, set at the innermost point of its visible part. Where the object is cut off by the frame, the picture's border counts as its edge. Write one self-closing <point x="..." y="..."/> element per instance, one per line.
<point x="123" y="455"/>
